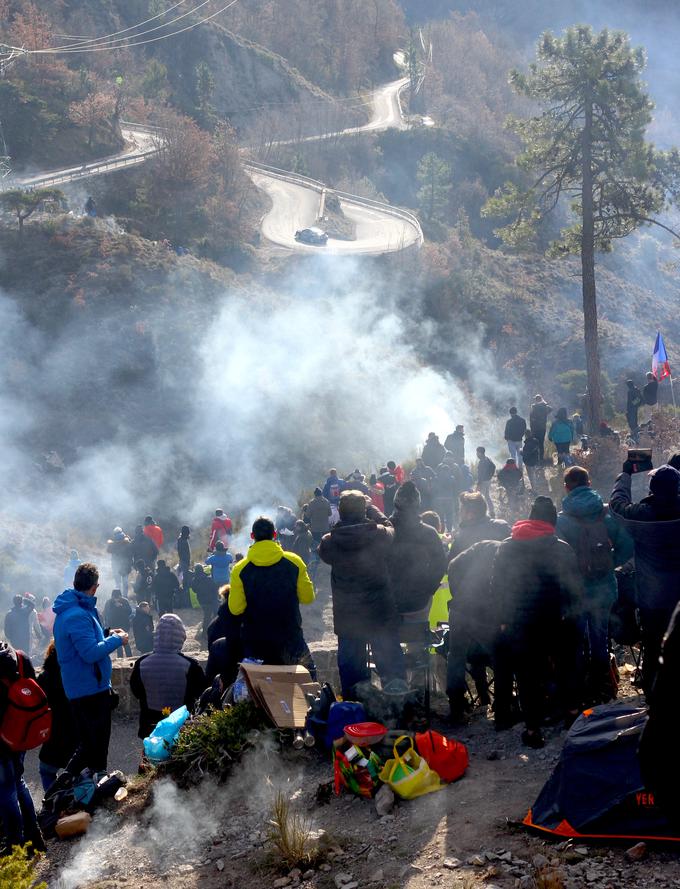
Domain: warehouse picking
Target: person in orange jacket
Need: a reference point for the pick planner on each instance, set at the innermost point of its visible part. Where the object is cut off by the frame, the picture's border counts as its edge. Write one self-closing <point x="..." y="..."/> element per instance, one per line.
<point x="154" y="531"/>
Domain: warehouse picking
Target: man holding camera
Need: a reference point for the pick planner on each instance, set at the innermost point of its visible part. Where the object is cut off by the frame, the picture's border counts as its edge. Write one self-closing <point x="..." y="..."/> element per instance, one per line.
<point x="654" y="525"/>
<point x="84" y="653"/>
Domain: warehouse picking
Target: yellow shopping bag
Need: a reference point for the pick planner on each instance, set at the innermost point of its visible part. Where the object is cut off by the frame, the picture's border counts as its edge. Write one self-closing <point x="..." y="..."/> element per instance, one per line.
<point x="408" y="774"/>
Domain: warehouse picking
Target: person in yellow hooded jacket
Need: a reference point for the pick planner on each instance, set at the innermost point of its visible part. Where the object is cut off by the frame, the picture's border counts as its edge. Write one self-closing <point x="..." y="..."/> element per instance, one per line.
<point x="267" y="588"/>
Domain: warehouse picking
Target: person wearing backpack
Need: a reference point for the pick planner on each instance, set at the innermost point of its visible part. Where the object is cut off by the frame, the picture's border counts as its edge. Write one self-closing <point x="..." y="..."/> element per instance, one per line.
<point x="84" y="656"/>
<point x="601" y="544"/>
<point x="61" y="745"/>
<point x="17" y="812"/>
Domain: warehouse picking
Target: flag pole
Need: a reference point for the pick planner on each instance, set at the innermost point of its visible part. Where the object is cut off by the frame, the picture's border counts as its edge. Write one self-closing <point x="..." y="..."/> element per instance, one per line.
<point x="675" y="409"/>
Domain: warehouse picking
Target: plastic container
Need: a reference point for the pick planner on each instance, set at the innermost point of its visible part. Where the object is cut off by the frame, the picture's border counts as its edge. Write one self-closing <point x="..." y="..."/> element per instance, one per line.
<point x="364" y="734"/>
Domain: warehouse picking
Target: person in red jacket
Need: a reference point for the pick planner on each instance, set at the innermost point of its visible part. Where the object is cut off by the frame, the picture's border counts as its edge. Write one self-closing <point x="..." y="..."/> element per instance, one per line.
<point x="221" y="529"/>
<point x="154" y="531"/>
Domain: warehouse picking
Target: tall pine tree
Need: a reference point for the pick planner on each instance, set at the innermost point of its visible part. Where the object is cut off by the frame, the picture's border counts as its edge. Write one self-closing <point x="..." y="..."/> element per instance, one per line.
<point x="586" y="147"/>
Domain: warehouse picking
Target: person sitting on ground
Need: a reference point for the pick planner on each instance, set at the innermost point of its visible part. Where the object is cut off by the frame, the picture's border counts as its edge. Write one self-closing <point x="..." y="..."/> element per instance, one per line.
<point x="153" y="531"/>
<point x="538" y="588"/>
<point x="207" y="594"/>
<point x="225" y="649"/>
<point x="267" y="588"/>
<point x="473" y="624"/>
<point x="475" y="524"/>
<point x="58" y="750"/>
<point x="17" y="813"/>
<point x="302" y="541"/>
<point x="357" y="550"/>
<point x="165" y="679"/>
<point x="220" y="563"/>
<point x="601" y="544"/>
<point x="118" y="613"/>
<point x="144" y="548"/>
<point x="654" y="525"/>
<point x="220" y="530"/>
<point x="142" y="627"/>
<point x="416" y="559"/>
<point x="165" y="588"/>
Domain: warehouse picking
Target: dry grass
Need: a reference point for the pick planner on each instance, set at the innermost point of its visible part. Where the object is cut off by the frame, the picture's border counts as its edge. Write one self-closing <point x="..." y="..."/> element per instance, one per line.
<point x="549" y="878"/>
<point x="291" y="835"/>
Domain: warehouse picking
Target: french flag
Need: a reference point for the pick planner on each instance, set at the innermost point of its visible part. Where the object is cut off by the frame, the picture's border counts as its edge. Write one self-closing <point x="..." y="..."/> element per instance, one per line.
<point x="660" y="365"/>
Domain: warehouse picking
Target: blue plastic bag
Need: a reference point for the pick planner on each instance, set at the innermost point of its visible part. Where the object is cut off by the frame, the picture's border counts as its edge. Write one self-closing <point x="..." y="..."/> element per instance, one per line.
<point x="342" y="713"/>
<point x="158" y="746"/>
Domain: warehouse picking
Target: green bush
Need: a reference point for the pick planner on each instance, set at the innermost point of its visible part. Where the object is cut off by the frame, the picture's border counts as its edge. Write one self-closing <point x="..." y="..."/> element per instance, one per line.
<point x="216" y="740"/>
<point x="17" y="870"/>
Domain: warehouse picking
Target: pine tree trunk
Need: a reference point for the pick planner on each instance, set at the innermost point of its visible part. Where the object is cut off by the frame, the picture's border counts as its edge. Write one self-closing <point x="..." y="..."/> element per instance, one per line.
<point x="588" y="279"/>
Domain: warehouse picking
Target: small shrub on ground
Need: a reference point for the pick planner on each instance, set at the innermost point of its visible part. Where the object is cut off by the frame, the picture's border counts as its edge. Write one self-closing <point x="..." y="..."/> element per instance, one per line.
<point x="213" y="742"/>
<point x="291" y="835"/>
<point x="17" y="870"/>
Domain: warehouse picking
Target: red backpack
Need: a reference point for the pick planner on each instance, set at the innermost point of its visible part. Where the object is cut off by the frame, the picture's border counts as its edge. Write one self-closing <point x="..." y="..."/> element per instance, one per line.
<point x="27" y="721"/>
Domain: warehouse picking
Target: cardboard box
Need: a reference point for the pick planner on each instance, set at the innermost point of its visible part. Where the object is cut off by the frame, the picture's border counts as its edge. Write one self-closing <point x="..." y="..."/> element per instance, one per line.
<point x="281" y="692"/>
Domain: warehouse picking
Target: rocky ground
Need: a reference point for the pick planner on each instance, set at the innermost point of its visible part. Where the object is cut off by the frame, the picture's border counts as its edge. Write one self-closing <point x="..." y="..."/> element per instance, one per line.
<point x="465" y="836"/>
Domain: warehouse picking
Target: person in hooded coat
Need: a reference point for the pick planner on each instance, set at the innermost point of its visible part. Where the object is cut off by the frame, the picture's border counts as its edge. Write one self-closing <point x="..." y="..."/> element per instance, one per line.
<point x="538" y="422"/>
<point x="166" y="678"/>
<point x="357" y="549"/>
<point x="654" y="525"/>
<point x="433" y="451"/>
<point x="142" y="627"/>
<point x="582" y="511"/>
<point x="144" y="548"/>
<point x="475" y="524"/>
<point x="538" y="588"/>
<point x="416" y="559"/>
<point x="120" y="547"/>
<point x="184" y="563"/>
<point x="118" y="613"/>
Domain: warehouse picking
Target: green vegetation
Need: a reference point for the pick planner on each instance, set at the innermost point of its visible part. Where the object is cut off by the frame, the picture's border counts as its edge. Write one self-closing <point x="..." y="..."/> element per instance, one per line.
<point x="291" y="835"/>
<point x="587" y="147"/>
<point x="17" y="870"/>
<point x="434" y="176"/>
<point x="25" y="203"/>
<point x="215" y="741"/>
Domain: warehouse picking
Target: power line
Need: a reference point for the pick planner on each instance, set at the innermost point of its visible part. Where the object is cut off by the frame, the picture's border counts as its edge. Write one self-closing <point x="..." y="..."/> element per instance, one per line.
<point x="86" y="39"/>
<point x="113" y="44"/>
<point x="107" y="48"/>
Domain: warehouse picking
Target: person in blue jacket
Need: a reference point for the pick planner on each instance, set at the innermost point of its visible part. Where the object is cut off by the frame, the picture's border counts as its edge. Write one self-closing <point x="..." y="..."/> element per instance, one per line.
<point x="84" y="658"/>
<point x="583" y="521"/>
<point x="220" y="562"/>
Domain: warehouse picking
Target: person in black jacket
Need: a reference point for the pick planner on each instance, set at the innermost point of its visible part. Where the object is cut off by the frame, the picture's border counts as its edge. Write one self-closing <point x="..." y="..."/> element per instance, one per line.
<point x="207" y="594"/>
<point x="55" y="753"/>
<point x="538" y="588"/>
<point x="416" y="560"/>
<point x="455" y="443"/>
<point x="444" y="493"/>
<point x="473" y="624"/>
<point x="654" y="525"/>
<point x="143" y="582"/>
<point x="142" y="627"/>
<point x="118" y="613"/>
<point x="120" y="547"/>
<point x="144" y="548"/>
<point x="357" y="549"/>
<point x="165" y="588"/>
<point x="17" y="813"/>
<point x="514" y="433"/>
<point x="433" y="451"/>
<point x="421" y="476"/>
<point x="486" y="469"/>
<point x="475" y="524"/>
<point x="166" y="678"/>
<point x="532" y="457"/>
<point x="538" y="422"/>
<point x="650" y="395"/>
<point x="17" y="625"/>
<point x="184" y="560"/>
